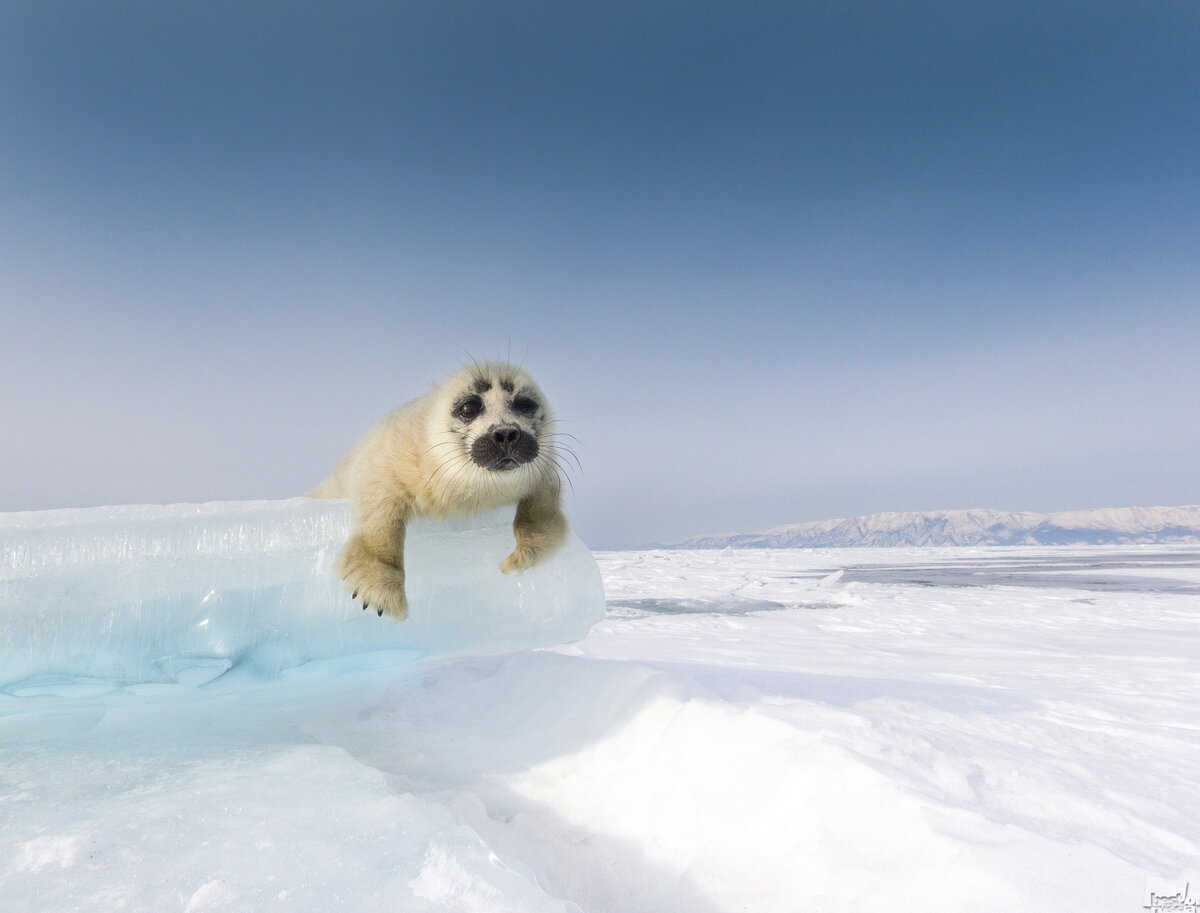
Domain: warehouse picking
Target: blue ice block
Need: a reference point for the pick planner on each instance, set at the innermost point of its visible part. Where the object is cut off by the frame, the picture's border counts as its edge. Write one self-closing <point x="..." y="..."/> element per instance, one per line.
<point x="187" y="592"/>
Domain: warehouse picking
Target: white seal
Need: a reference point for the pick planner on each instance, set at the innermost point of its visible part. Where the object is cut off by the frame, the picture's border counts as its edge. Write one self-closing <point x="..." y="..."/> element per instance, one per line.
<point x="479" y="440"/>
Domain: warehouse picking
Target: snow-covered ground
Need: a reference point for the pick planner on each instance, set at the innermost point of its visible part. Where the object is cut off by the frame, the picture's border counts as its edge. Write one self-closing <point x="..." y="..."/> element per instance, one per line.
<point x="841" y="730"/>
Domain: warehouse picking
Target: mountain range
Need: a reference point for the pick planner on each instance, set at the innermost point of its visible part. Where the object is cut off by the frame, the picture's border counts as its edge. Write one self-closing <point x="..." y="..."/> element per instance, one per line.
<point x="1104" y="526"/>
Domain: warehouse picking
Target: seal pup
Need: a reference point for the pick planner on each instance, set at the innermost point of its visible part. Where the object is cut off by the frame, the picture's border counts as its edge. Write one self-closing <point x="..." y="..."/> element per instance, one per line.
<point x="477" y="441"/>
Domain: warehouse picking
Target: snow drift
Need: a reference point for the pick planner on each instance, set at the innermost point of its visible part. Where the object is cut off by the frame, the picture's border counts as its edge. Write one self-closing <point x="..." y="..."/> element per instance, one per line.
<point x="188" y="592"/>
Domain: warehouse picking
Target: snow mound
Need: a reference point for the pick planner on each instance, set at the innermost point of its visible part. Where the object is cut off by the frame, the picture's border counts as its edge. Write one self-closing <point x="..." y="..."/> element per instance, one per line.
<point x="188" y="592"/>
<point x="226" y="833"/>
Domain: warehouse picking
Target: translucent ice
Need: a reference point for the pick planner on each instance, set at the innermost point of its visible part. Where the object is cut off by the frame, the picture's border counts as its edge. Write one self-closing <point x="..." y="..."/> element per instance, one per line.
<point x="188" y="592"/>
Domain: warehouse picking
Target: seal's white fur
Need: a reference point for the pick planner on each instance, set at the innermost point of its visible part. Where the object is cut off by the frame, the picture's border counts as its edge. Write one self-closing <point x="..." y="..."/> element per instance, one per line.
<point x="416" y="462"/>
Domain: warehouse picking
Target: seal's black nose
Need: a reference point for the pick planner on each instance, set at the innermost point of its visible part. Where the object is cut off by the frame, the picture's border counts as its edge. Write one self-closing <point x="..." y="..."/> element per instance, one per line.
<point x="504" y="447"/>
<point x="506" y="435"/>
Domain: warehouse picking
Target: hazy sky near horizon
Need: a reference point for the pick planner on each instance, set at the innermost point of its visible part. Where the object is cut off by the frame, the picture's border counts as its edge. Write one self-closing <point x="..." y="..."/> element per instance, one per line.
<point x="772" y="262"/>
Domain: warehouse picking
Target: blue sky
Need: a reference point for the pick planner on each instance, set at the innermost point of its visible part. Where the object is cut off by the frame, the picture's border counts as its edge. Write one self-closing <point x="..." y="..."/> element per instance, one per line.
<point x="772" y="262"/>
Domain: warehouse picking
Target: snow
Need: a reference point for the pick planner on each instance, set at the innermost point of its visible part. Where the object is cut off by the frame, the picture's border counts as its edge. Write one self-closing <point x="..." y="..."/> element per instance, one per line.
<point x="754" y="730"/>
<point x="190" y="592"/>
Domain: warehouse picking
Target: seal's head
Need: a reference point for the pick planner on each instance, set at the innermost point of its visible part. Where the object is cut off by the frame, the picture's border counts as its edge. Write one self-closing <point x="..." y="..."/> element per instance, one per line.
<point x="499" y="416"/>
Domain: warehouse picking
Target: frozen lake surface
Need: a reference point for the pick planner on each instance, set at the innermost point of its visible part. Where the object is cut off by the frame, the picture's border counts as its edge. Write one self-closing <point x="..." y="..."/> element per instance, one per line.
<point x="983" y="729"/>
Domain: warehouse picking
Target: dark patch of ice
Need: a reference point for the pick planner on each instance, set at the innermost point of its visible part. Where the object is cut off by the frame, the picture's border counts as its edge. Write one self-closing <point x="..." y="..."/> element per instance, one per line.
<point x="1034" y="572"/>
<point x="727" y="605"/>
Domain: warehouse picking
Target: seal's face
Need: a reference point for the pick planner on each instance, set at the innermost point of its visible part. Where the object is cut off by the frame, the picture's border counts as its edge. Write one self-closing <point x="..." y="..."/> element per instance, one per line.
<point x="499" y="418"/>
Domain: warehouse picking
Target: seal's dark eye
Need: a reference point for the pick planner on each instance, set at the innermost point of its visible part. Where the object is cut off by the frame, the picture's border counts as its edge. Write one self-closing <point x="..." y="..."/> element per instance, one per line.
<point x="469" y="408"/>
<point x="524" y="405"/>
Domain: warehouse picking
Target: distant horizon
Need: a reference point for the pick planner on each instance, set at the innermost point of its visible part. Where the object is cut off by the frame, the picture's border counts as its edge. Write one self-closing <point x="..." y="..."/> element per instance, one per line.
<point x="1043" y="517"/>
<point x="1002" y="510"/>
<point x="727" y="533"/>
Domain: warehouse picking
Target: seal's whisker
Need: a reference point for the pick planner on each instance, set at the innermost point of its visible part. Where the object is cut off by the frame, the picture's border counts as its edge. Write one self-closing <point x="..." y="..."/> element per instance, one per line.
<point x="436" y="446"/>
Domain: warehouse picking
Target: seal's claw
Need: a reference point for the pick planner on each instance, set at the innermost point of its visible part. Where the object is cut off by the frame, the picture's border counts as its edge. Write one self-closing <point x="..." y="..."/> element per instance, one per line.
<point x="378" y="584"/>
